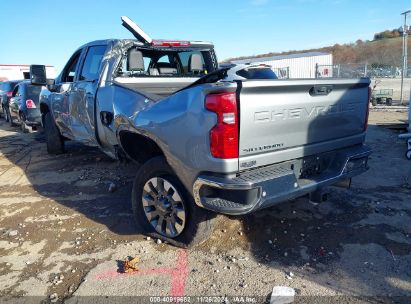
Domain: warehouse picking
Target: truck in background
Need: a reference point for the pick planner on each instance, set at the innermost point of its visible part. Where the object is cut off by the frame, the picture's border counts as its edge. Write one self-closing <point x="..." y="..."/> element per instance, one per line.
<point x="21" y="71"/>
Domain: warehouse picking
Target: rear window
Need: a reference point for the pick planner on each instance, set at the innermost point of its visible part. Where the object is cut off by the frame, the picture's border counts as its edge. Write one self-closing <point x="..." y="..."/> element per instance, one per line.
<point x="257" y="73"/>
<point x="185" y="59"/>
<point x="171" y="63"/>
<point x="33" y="92"/>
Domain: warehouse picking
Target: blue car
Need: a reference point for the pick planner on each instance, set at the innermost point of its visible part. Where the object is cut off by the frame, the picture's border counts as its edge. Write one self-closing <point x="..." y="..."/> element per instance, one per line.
<point x="23" y="108"/>
<point x="6" y="90"/>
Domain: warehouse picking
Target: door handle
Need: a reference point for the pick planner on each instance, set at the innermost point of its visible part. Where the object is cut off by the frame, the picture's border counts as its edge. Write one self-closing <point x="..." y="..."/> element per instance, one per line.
<point x="106" y="118"/>
<point x="319" y="90"/>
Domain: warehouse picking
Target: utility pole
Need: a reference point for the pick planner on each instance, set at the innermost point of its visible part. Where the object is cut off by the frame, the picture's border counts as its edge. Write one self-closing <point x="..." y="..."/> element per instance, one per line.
<point x="404" y="53"/>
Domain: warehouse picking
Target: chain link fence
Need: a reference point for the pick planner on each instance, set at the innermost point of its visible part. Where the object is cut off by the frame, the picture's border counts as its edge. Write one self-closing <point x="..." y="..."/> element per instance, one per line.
<point x="282" y="73"/>
<point x="384" y="79"/>
<point x="357" y="70"/>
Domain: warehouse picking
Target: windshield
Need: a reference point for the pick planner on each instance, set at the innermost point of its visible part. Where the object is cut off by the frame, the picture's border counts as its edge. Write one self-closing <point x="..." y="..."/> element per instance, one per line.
<point x="167" y="63"/>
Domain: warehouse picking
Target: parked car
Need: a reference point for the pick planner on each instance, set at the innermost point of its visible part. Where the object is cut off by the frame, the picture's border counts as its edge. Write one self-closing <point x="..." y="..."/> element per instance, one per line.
<point x="249" y="71"/>
<point x="204" y="144"/>
<point x="24" y="108"/>
<point x="6" y="90"/>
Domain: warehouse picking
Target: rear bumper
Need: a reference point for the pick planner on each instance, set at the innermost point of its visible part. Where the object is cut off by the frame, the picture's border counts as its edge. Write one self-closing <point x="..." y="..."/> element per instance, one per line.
<point x="32" y="117"/>
<point x="264" y="187"/>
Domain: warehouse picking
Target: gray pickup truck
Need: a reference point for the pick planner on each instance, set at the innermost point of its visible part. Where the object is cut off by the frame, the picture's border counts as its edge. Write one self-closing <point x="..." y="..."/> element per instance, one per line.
<point x="206" y="141"/>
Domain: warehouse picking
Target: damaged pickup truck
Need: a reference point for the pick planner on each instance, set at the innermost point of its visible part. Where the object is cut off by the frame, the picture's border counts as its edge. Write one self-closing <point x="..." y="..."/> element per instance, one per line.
<point x="207" y="139"/>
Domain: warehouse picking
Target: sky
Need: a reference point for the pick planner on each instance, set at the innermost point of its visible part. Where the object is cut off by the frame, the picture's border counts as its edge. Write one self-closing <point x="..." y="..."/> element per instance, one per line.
<point x="49" y="31"/>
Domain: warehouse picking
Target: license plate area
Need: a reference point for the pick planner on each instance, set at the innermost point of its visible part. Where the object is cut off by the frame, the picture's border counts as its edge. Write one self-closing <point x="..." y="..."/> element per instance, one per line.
<point x="314" y="165"/>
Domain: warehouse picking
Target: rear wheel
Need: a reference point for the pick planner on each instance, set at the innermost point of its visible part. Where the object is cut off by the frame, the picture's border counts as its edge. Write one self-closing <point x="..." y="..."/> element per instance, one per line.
<point x="373" y="102"/>
<point x="388" y="101"/>
<point x="54" y="140"/>
<point x="25" y="128"/>
<point x="408" y="154"/>
<point x="164" y="209"/>
<point x="9" y="118"/>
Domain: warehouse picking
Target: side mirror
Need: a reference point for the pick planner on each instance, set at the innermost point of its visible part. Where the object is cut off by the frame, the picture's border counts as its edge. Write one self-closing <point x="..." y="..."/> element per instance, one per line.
<point x="51" y="85"/>
<point x="38" y="75"/>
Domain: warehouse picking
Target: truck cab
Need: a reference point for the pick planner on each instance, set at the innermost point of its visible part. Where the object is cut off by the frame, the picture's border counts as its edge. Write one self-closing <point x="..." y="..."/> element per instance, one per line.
<point x="158" y="69"/>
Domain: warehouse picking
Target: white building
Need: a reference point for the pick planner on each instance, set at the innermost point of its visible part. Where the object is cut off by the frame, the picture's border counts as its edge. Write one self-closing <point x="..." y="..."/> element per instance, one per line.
<point x="303" y="65"/>
<point x="21" y="71"/>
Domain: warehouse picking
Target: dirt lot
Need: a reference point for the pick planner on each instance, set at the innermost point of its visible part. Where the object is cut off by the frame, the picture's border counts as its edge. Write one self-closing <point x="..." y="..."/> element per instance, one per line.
<point x="63" y="235"/>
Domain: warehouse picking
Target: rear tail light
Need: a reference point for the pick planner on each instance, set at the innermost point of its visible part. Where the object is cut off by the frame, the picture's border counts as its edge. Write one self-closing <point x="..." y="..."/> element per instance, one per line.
<point x="9" y="94"/>
<point x="368" y="108"/>
<point x="224" y="135"/>
<point x="30" y="104"/>
<point x="169" y="43"/>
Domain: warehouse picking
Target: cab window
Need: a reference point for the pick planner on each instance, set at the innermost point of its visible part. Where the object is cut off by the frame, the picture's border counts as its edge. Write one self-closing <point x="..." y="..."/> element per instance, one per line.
<point x="185" y="60"/>
<point x="91" y="67"/>
<point x="171" y="63"/>
<point x="69" y="72"/>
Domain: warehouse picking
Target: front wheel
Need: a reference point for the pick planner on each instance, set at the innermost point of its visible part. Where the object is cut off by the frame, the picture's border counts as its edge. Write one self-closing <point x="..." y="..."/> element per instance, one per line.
<point x="164" y="209"/>
<point x="408" y="154"/>
<point x="5" y="115"/>
<point x="388" y="101"/>
<point x="54" y="140"/>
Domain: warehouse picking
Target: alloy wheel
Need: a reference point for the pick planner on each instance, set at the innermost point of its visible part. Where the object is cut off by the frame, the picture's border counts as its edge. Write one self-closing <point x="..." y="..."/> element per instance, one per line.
<point x="164" y="207"/>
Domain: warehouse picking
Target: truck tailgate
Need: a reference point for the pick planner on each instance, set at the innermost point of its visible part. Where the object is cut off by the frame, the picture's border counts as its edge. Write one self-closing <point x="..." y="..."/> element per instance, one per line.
<point x="285" y="119"/>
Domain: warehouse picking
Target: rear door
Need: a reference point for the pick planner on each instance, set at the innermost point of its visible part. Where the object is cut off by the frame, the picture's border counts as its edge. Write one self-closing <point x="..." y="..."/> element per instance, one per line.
<point x="82" y="96"/>
<point x="15" y="100"/>
<point x="281" y="120"/>
<point x="60" y="100"/>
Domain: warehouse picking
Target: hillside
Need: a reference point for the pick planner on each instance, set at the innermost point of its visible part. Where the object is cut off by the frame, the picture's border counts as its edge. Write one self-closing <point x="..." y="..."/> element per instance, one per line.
<point x="382" y="52"/>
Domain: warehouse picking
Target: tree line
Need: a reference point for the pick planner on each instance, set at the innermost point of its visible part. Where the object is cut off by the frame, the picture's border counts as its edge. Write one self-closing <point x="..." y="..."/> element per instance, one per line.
<point x="384" y="50"/>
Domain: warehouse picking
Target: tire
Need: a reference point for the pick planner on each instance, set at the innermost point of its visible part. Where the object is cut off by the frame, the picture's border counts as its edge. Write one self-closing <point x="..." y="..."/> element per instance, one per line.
<point x="373" y="102"/>
<point x="379" y="100"/>
<point x="54" y="140"/>
<point x="197" y="222"/>
<point x="9" y="118"/>
<point x="388" y="101"/>
<point x="408" y="154"/>
<point x="25" y="128"/>
<point x="6" y="116"/>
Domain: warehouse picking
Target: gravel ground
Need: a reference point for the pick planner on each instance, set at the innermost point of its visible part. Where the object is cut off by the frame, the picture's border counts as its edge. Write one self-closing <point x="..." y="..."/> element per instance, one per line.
<point x="63" y="235"/>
